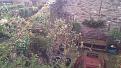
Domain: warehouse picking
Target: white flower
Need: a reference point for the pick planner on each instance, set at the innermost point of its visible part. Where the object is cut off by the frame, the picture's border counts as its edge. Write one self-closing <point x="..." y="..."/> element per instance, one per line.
<point x="3" y="21"/>
<point x="51" y="1"/>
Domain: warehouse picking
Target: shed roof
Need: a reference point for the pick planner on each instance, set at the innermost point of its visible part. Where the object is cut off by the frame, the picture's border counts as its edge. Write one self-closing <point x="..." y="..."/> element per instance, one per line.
<point x="96" y="42"/>
<point x="89" y="61"/>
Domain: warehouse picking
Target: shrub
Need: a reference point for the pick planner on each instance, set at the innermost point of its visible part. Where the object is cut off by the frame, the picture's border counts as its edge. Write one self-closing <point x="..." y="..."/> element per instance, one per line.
<point x="25" y="12"/>
<point x="76" y="27"/>
<point x="37" y="43"/>
<point x="1" y="28"/>
<point x="94" y="24"/>
<point x="115" y="34"/>
<point x="22" y="46"/>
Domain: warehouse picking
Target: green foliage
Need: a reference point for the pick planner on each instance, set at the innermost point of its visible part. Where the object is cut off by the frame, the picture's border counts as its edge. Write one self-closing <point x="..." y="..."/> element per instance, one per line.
<point x="94" y="24"/>
<point x="23" y="45"/>
<point x="40" y="42"/>
<point x="3" y="35"/>
<point x="5" y="12"/>
<point x="34" y="63"/>
<point x="76" y="27"/>
<point x="22" y="62"/>
<point x="116" y="34"/>
<point x="20" y="44"/>
<point x="4" y="55"/>
<point x="7" y="16"/>
<point x="40" y="19"/>
<point x="1" y="28"/>
<point x="27" y="12"/>
<point x="19" y="61"/>
<point x="112" y="62"/>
